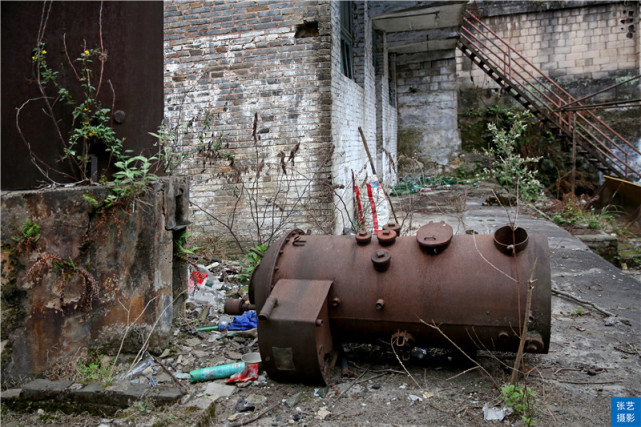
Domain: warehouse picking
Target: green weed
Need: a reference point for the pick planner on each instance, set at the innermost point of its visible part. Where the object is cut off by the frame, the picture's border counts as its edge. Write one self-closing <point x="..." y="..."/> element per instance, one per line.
<point x="520" y="399"/>
<point x="575" y="214"/>
<point x="251" y="261"/>
<point x="30" y="230"/>
<point x="96" y="371"/>
<point x="580" y="311"/>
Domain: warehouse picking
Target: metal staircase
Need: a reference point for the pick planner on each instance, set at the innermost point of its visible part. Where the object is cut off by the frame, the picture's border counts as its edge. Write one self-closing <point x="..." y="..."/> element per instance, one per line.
<point x="546" y="99"/>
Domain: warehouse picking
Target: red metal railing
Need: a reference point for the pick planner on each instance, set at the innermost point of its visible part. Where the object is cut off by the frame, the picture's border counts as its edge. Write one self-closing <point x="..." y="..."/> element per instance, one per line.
<point x="543" y="95"/>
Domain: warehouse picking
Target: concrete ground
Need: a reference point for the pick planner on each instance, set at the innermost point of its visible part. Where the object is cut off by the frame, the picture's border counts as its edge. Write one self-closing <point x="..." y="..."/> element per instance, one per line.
<point x="579" y="342"/>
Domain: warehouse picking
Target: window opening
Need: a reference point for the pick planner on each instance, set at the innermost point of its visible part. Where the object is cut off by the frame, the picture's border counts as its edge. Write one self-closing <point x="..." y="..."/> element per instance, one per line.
<point x="347" y="39"/>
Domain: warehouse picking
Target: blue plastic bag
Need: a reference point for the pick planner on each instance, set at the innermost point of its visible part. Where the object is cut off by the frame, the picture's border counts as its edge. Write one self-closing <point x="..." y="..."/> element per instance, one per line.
<point x="248" y="320"/>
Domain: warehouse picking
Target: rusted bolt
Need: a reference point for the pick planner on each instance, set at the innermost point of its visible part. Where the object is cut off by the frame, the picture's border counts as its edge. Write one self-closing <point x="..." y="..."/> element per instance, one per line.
<point x="386" y="237"/>
<point x="363" y="237"/>
<point x="319" y="322"/>
<point x="534" y="344"/>
<point x="503" y="335"/>
<point x="336" y="302"/>
<point x="393" y="226"/>
<point x="380" y="304"/>
<point x="381" y="259"/>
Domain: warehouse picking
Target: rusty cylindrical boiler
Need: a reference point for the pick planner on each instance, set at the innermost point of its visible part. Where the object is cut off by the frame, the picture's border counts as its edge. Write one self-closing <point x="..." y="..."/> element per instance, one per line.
<point x="312" y="293"/>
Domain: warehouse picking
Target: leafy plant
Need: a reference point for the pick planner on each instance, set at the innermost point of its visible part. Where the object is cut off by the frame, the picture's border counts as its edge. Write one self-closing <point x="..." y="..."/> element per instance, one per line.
<point x="179" y="246"/>
<point x="90" y="121"/>
<point x="66" y="267"/>
<point x="87" y="128"/>
<point x="30" y="231"/>
<point x="520" y="399"/>
<point x="511" y="170"/>
<point x="95" y="371"/>
<point x="252" y="259"/>
<point x="131" y="180"/>
<point x="93" y="202"/>
<point x="142" y="407"/>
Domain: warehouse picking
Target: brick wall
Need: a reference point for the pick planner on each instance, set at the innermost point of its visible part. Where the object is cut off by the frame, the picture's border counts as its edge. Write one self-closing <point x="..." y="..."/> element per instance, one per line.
<point x="353" y="105"/>
<point x="231" y="61"/>
<point x="427" y="108"/>
<point x="583" y="48"/>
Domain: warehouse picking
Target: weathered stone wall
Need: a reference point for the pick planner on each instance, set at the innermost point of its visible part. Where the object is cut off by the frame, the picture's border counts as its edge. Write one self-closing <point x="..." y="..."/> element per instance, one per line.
<point x="585" y="46"/>
<point x="89" y="275"/>
<point x="427" y="108"/>
<point x="234" y="60"/>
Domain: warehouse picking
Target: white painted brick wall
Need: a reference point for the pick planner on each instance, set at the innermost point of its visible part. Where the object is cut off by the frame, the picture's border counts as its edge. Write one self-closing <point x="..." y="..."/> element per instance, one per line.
<point x="353" y="105"/>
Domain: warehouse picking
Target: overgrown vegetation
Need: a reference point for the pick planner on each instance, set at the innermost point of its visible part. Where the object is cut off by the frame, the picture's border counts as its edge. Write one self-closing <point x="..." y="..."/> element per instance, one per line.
<point x="577" y="213"/>
<point x="90" y="149"/>
<point x="554" y="152"/>
<point x="174" y="151"/>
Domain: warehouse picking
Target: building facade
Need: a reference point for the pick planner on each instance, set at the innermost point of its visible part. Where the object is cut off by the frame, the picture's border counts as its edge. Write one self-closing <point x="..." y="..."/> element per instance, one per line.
<point x="269" y="97"/>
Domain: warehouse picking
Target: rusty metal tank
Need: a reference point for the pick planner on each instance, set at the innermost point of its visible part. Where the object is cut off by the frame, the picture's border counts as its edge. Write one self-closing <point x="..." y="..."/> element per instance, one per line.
<point x="313" y="293"/>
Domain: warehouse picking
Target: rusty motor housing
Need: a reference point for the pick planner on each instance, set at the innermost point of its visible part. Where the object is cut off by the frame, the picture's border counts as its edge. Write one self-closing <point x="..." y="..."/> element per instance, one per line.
<point x="313" y="293"/>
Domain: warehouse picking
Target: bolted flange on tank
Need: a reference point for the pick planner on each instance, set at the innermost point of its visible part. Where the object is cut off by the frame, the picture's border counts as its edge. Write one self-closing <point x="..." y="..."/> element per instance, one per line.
<point x="314" y="292"/>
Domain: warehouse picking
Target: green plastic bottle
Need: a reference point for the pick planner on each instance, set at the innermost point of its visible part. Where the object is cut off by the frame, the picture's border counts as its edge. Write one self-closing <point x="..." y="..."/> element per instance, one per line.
<point x="215" y="372"/>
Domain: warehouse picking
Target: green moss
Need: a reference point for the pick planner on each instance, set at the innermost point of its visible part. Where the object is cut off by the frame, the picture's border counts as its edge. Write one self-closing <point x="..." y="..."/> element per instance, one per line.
<point x="408" y="141"/>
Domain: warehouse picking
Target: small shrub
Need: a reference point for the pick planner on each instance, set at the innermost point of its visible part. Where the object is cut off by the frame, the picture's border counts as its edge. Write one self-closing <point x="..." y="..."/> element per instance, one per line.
<point x="509" y="169"/>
